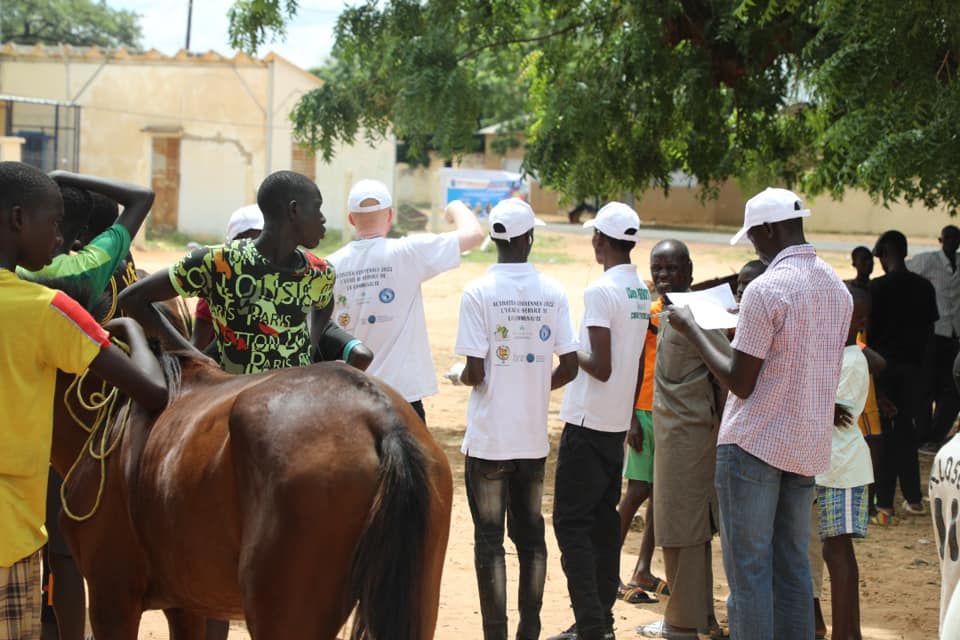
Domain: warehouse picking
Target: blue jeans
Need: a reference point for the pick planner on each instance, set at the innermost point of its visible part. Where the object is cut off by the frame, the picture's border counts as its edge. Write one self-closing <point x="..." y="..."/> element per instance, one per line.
<point x="511" y="488"/>
<point x="765" y="529"/>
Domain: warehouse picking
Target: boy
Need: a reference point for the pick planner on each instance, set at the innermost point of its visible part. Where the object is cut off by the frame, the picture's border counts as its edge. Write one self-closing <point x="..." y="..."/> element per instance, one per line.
<point x="598" y="409"/>
<point x="512" y="321"/>
<point x="378" y="296"/>
<point x="91" y="270"/>
<point x="861" y="259"/>
<point x="64" y="336"/>
<point x="748" y="273"/>
<point x="841" y="492"/>
<point x="246" y="223"/>
<point x="259" y="292"/>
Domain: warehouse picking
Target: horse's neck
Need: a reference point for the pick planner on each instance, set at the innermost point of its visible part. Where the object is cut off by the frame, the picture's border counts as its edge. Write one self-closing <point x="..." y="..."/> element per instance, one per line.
<point x="68" y="436"/>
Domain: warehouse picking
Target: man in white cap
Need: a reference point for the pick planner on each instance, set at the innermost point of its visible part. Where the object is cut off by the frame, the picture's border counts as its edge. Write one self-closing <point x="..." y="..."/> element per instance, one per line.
<point x="776" y="431"/>
<point x="598" y="410"/>
<point x="512" y="321"/>
<point x="377" y="294"/>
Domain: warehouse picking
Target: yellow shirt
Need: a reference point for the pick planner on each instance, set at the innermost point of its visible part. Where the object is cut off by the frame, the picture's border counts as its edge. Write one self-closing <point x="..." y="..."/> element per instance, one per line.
<point x="41" y="330"/>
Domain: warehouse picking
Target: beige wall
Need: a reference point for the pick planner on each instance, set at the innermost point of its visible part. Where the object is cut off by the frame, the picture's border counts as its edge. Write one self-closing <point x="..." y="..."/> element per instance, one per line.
<point x="220" y="108"/>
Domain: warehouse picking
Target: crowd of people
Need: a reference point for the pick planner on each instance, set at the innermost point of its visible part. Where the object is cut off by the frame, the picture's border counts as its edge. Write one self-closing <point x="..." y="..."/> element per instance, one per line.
<point x="749" y="433"/>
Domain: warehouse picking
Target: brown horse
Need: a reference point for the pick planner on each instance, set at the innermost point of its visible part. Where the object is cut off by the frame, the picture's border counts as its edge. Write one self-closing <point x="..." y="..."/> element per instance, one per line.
<point x="288" y="499"/>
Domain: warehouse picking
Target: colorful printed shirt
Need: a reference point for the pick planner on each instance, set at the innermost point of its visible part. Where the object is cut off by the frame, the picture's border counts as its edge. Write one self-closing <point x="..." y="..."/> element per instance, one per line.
<point x="61" y="335"/>
<point x="259" y="310"/>
<point x="88" y="272"/>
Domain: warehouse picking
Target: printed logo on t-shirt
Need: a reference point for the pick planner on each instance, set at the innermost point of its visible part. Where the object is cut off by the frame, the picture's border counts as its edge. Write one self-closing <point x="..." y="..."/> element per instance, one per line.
<point x="545" y="333"/>
<point x="341" y="299"/>
<point x="503" y="352"/>
<point x="501" y="332"/>
<point x="343" y="319"/>
<point x="531" y="357"/>
<point x="387" y="295"/>
<point x="946" y="518"/>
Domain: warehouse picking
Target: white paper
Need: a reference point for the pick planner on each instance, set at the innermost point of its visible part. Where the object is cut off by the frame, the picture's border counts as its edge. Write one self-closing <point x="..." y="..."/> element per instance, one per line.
<point x="710" y="307"/>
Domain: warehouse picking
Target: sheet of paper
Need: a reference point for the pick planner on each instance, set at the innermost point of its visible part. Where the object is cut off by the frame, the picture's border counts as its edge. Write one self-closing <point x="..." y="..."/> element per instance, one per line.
<point x="710" y="307"/>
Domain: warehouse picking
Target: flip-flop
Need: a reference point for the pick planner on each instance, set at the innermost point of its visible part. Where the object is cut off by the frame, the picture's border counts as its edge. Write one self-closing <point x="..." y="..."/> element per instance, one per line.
<point x="659" y="629"/>
<point x="658" y="586"/>
<point x="632" y="594"/>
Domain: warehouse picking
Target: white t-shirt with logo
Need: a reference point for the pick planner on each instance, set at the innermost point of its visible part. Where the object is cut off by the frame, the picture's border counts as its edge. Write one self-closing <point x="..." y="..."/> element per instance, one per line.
<point x="850" y="464"/>
<point x="377" y="299"/>
<point x="515" y="318"/>
<point x="945" y="509"/>
<point x="619" y="301"/>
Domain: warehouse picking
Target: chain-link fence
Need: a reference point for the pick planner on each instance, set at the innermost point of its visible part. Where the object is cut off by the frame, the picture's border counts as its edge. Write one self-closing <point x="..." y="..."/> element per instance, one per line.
<point x="51" y="131"/>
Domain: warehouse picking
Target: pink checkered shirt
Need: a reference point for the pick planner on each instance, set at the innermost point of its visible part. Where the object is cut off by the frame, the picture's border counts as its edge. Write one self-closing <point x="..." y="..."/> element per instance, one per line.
<point x="795" y="317"/>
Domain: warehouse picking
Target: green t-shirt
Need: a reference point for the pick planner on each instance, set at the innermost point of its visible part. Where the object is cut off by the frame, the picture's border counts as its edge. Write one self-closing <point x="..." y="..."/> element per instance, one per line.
<point x="259" y="310"/>
<point x="87" y="272"/>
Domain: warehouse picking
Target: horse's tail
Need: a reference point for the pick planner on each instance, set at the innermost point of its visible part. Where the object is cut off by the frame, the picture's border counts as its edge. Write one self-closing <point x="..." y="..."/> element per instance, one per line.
<point x="387" y="576"/>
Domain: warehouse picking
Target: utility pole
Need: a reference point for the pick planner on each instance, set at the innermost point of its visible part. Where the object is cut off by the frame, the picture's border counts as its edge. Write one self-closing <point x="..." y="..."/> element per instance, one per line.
<point x="189" y="21"/>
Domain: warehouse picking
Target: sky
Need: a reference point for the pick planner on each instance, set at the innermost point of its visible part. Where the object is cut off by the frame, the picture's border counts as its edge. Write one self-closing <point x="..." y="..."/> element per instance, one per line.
<point x="164" y="22"/>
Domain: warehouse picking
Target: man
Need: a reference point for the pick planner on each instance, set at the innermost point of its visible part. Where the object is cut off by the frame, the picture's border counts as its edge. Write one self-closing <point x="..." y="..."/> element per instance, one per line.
<point x="861" y="259"/>
<point x="687" y="404"/>
<point x="777" y="424"/>
<point x="512" y="321"/>
<point x="900" y="328"/>
<point x="940" y="268"/>
<point x="945" y="509"/>
<point x="598" y="409"/>
<point x="377" y="293"/>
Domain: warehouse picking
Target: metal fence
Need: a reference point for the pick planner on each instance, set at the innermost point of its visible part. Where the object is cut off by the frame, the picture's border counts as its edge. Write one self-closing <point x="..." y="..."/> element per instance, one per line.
<point x="51" y="130"/>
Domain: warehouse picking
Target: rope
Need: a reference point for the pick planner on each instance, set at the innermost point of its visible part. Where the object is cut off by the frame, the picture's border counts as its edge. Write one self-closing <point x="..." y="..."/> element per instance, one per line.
<point x="101" y="402"/>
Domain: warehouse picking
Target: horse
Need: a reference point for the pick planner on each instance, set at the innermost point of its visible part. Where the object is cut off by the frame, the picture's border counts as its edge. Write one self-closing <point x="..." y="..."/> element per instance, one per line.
<point x="290" y="499"/>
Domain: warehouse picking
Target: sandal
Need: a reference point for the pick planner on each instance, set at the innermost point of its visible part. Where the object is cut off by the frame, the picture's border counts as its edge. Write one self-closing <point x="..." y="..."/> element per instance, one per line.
<point x="882" y="517"/>
<point x="635" y="594"/>
<point x="658" y="586"/>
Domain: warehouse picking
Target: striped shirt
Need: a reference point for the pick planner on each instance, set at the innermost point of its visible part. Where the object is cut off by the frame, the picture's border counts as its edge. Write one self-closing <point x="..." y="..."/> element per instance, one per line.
<point x="935" y="267"/>
<point x="795" y="317"/>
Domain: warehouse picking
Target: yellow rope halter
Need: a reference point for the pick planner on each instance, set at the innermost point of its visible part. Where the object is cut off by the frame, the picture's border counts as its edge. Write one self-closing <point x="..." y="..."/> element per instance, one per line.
<point x="102" y="402"/>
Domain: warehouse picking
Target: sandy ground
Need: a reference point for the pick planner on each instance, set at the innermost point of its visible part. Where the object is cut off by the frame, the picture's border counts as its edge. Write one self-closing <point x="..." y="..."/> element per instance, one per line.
<point x="899" y="576"/>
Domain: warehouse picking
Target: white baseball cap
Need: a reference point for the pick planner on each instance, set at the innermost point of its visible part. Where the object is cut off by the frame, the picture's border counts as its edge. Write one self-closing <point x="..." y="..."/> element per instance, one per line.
<point x="515" y="216"/>
<point x="616" y="220"/>
<point x="244" y="219"/>
<point x="768" y="206"/>
<point x="369" y="190"/>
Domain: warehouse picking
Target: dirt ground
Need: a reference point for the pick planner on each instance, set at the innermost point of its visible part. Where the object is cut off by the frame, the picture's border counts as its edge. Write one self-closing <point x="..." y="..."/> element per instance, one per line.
<point x="899" y="576"/>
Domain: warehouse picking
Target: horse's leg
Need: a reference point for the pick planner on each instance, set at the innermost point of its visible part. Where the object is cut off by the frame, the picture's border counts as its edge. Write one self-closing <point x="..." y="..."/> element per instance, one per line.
<point x="185" y="625"/>
<point x="114" y="616"/>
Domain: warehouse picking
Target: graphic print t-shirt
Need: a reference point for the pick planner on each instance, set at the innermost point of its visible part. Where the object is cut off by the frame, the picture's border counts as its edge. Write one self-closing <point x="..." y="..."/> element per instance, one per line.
<point x="515" y="319"/>
<point x="259" y="310"/>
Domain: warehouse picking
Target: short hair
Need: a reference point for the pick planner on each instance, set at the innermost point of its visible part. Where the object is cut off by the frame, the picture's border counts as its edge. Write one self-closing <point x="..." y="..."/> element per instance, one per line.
<point x="103" y="213"/>
<point x="676" y="245"/>
<point x="279" y="188"/>
<point x="895" y="241"/>
<point x="754" y="265"/>
<point x="861" y="250"/>
<point x="23" y="185"/>
<point x="77" y="205"/>
<point x="618" y="245"/>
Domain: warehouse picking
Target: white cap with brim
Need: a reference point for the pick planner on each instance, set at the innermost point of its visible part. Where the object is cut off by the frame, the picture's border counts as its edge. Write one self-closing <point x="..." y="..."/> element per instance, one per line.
<point x="769" y="206"/>
<point x="369" y="190"/>
<point x="616" y="220"/>
<point x="248" y="218"/>
<point x="511" y="218"/>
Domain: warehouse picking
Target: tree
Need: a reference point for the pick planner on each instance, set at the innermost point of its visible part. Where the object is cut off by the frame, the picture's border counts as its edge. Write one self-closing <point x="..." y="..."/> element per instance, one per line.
<point x="615" y="95"/>
<point x="75" y="22"/>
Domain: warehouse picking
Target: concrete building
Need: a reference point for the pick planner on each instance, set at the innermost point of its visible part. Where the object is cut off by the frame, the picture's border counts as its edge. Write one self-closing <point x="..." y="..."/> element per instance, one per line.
<point x="202" y="129"/>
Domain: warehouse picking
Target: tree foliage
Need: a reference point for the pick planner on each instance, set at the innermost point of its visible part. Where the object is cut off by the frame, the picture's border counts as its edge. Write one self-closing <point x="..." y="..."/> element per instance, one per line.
<point x="616" y="95"/>
<point x="75" y="22"/>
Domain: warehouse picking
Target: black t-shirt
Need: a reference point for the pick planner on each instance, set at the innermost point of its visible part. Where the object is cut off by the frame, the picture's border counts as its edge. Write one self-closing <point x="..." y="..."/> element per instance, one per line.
<point x="904" y="308"/>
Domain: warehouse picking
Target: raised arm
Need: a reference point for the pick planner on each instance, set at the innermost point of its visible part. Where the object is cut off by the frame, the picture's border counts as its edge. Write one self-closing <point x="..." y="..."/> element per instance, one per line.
<point x="469" y="231"/>
<point x="135" y="199"/>
<point x="137" y="302"/>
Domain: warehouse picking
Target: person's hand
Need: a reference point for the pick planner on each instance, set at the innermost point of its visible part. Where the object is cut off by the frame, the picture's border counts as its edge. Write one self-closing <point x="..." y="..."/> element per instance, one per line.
<point x="680" y="318"/>
<point x="448" y="212"/>
<point x="635" y="434"/>
<point x="842" y="417"/>
<point x="886" y="406"/>
<point x="122" y="328"/>
<point x="454" y="373"/>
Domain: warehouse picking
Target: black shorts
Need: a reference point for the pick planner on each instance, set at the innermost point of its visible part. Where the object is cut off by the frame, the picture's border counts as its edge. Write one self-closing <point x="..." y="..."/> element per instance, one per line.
<point x="334" y="344"/>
